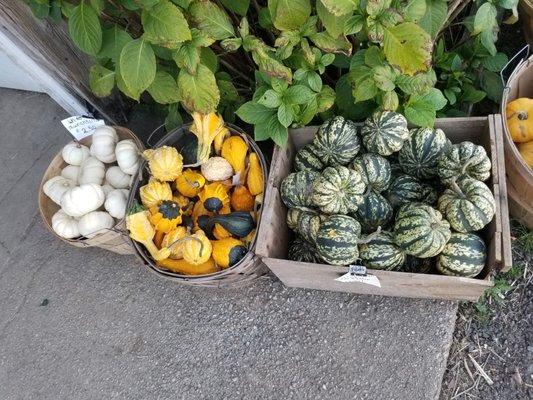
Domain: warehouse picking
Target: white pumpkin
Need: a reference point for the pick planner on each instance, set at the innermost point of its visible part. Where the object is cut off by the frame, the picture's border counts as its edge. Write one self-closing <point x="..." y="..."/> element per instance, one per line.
<point x="55" y="187"/>
<point x="106" y="187"/>
<point x="82" y="199"/>
<point x="116" y="178"/>
<point x="115" y="203"/>
<point x="127" y="154"/>
<point x="105" y="130"/>
<point x="92" y="170"/>
<point x="71" y="172"/>
<point x="95" y="222"/>
<point x="65" y="225"/>
<point x="75" y="153"/>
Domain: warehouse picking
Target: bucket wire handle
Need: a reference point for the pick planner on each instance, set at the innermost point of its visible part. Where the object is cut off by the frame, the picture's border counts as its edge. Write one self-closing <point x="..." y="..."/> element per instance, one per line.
<point x="523" y="53"/>
<point x="149" y="139"/>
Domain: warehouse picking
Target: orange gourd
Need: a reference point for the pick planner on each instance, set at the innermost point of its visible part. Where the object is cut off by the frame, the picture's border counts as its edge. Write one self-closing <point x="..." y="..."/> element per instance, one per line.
<point x="242" y="199"/>
<point x="526" y="151"/>
<point x="520" y="119"/>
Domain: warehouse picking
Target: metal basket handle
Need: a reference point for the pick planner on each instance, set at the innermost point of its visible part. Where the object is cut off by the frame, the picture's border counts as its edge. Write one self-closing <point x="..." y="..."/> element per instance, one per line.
<point x="523" y="54"/>
<point x="150" y="137"/>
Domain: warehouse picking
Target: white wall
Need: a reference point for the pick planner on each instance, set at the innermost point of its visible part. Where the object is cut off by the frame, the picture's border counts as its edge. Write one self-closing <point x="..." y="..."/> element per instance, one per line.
<point x="14" y="77"/>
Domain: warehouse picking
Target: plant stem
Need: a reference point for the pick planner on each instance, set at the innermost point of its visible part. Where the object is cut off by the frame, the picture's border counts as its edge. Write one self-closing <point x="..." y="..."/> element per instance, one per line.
<point x="234" y="70"/>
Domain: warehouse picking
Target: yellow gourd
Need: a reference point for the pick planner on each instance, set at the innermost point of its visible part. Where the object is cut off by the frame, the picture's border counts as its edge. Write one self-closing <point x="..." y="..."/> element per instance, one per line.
<point x="526" y="151"/>
<point x="227" y="252"/>
<point x="234" y="150"/>
<point x="206" y="127"/>
<point x="166" y="216"/>
<point x="254" y="180"/>
<point x="165" y="162"/>
<point x="196" y="248"/>
<point x="154" y="192"/>
<point x="171" y="241"/>
<point x="220" y="232"/>
<point x="182" y="201"/>
<point x="142" y="231"/>
<point x="190" y="182"/>
<point x="219" y="139"/>
<point x="183" y="267"/>
<point x="214" y="196"/>
<point x="242" y="199"/>
<point x="520" y="119"/>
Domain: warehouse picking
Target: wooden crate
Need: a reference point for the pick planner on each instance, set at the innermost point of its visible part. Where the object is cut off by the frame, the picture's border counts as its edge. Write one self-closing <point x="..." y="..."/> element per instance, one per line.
<point x="274" y="236"/>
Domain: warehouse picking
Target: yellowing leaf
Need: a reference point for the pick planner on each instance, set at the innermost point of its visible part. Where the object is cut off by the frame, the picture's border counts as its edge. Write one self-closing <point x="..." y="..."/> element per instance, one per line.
<point x="198" y="92"/>
<point x="289" y="14"/>
<point x="408" y="47"/>
<point x="212" y="19"/>
<point x="165" y="25"/>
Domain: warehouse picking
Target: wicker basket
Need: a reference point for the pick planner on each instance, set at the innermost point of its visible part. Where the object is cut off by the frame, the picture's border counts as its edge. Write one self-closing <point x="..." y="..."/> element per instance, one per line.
<point x="526" y="15"/>
<point x="246" y="270"/>
<point x="115" y="239"/>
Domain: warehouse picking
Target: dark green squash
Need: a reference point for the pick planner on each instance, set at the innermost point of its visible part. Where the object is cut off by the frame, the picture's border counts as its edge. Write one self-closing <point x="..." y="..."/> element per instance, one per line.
<point x="374" y="212"/>
<point x="422" y="151"/>
<point x="407" y="189"/>
<point x="301" y="250"/>
<point x="336" y="240"/>
<point x="238" y="223"/>
<point x="380" y="252"/>
<point x="187" y="146"/>
<point x="465" y="255"/>
<point x="374" y="169"/>
<point x="296" y="189"/>
<point x="337" y="142"/>
<point x="384" y="132"/>
<point x="418" y="265"/>
<point x="306" y="159"/>
<point x="462" y="160"/>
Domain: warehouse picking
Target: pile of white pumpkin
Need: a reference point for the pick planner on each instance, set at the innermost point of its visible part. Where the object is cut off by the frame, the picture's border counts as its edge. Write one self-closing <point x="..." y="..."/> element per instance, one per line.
<point x="92" y="189"/>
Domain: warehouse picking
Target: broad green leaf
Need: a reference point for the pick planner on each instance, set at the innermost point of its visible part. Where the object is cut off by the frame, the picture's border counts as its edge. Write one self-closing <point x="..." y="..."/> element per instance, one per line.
<point x="334" y="24"/>
<point x="239" y="7"/>
<point x="278" y="133"/>
<point x="374" y="57"/>
<point x="188" y="57"/>
<point x="55" y="10"/>
<point x="496" y="62"/>
<point x="384" y="77"/>
<point x="325" y="99"/>
<point x="209" y="58"/>
<point x="358" y="59"/>
<point x="212" y="19"/>
<point x="346" y="103"/>
<point x="39" y="9"/>
<point x="147" y="4"/>
<point x="173" y="118"/>
<point x="340" y="7"/>
<point x="472" y="95"/>
<point x="485" y="17"/>
<point x="434" y="97"/>
<point x="297" y="94"/>
<point x="113" y="40"/>
<point x="67" y="9"/>
<point x="487" y="39"/>
<point x="163" y="52"/>
<point x="228" y="92"/>
<point x="390" y="17"/>
<point x="363" y="84"/>
<point x="408" y="47"/>
<point x="184" y="4"/>
<point x="435" y="16"/>
<point x="270" y="99"/>
<point x="414" y="10"/>
<point x="307" y="113"/>
<point x="507" y="4"/>
<point x="101" y="80"/>
<point x="198" y="92"/>
<point x="376" y="7"/>
<point x="390" y="101"/>
<point x="98" y="5"/>
<point x="314" y="81"/>
<point x="272" y="67"/>
<point x="133" y="94"/>
<point x="265" y="21"/>
<point x="165" y="25"/>
<point x="289" y="14"/>
<point x="420" y="113"/>
<point x="285" y="114"/>
<point x="85" y="30"/>
<point x="492" y="84"/>
<point x="353" y="25"/>
<point x="137" y="65"/>
<point x="450" y="95"/>
<point x="324" y="41"/>
<point x="164" y="89"/>
<point x="416" y="84"/>
<point x="255" y="113"/>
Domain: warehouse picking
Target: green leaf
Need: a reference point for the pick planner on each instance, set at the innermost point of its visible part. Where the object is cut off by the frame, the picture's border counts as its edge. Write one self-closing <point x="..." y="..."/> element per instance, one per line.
<point x="435" y="16"/>
<point x="270" y="99"/>
<point x="507" y="4"/>
<point x="297" y="94"/>
<point x="164" y="89"/>
<point x="487" y="39"/>
<point x="492" y="84"/>
<point x="113" y="40"/>
<point x="390" y="101"/>
<point x="212" y="19"/>
<point x="373" y="56"/>
<point x="324" y="41"/>
<point x="133" y="94"/>
<point x="146" y="4"/>
<point x="434" y="97"/>
<point x="39" y="9"/>
<point x="228" y="92"/>
<point x="278" y="133"/>
<point x="85" y="30"/>
<point x="416" y="84"/>
<point x="376" y="7"/>
<point x="67" y="9"/>
<point x="239" y="7"/>
<point x="98" y="5"/>
<point x="358" y="59"/>
<point x="363" y="84"/>
<point x="325" y="99"/>
<point x="384" y="77"/>
<point x="408" y="47"/>
<point x="314" y="81"/>
<point x="485" y="17"/>
<point x="345" y="101"/>
<point x="137" y="65"/>
<point x="101" y="80"/>
<point x="285" y="115"/>
<point x="414" y="10"/>
<point x="188" y="57"/>
<point x="165" y="25"/>
<point x="307" y="112"/>
<point x="353" y="25"/>
<point x="450" y="95"/>
<point x="209" y="58"/>
<point x="420" y="113"/>
<point x="289" y="14"/>
<point x="496" y="62"/>
<point x="340" y="7"/>
<point x="173" y="118"/>
<point x="198" y="92"/>
<point x="472" y="95"/>
<point x="334" y="24"/>
<point x="255" y="113"/>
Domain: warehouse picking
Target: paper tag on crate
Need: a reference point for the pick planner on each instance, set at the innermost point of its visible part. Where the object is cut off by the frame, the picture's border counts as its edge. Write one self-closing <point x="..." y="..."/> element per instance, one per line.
<point x="81" y="127"/>
<point x="357" y="273"/>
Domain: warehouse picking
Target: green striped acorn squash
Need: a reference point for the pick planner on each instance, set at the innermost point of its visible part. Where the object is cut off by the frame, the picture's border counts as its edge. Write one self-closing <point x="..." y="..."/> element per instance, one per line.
<point x="308" y="225"/>
<point x="374" y="169"/>
<point x="306" y="159"/>
<point x="338" y="190"/>
<point x="336" y="142"/>
<point x="336" y="240"/>
<point x="420" y="230"/>
<point x="463" y="255"/>
<point x="407" y="189"/>
<point x="380" y="252"/>
<point x="421" y="152"/>
<point x="464" y="159"/>
<point x="468" y="205"/>
<point x="384" y="132"/>
<point x="303" y="251"/>
<point x="296" y="189"/>
<point x="374" y="212"/>
<point x="292" y="217"/>
<point x="418" y="265"/>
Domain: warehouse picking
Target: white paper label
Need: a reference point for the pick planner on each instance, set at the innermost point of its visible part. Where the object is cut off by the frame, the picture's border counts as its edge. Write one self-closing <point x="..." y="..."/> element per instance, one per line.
<point x="81" y="127"/>
<point x="368" y="279"/>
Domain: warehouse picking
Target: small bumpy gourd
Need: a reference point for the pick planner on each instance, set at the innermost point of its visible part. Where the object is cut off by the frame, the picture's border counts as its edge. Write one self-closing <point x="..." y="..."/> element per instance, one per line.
<point x="190" y="183"/>
<point x="217" y="169"/>
<point x="384" y="132"/>
<point x="172" y="241"/>
<point x="228" y="251"/>
<point x="242" y="199"/>
<point x="197" y="248"/>
<point x="165" y="163"/>
<point x="166" y="216"/>
<point x="234" y="150"/>
<point x="154" y="192"/>
<point x="255" y="179"/>
<point x="214" y="196"/>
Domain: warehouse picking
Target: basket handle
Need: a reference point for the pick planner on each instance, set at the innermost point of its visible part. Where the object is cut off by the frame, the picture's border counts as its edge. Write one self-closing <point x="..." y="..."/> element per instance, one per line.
<point x="523" y="54"/>
<point x="150" y="137"/>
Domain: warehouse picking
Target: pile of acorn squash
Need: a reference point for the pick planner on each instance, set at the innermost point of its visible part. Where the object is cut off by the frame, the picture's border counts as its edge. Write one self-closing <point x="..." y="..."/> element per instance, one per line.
<point x="395" y="198"/>
<point x="199" y="218"/>
<point x="520" y="124"/>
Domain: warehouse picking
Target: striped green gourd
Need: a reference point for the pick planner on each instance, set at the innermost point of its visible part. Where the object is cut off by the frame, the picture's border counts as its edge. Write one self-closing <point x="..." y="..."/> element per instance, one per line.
<point x="374" y="212"/>
<point x="337" y="142"/>
<point x="306" y="159"/>
<point x="296" y="189"/>
<point x="292" y="217"/>
<point x="338" y="190"/>
<point x="421" y="152"/>
<point x="380" y="252"/>
<point x="303" y="251"/>
<point x="384" y="132"/>
<point x="308" y="225"/>
<point x="420" y="230"/>
<point x="464" y="255"/>
<point x="418" y="265"/>
<point x="468" y="205"/>
<point x="464" y="159"/>
<point x="336" y="240"/>
<point x="407" y="189"/>
<point x="374" y="169"/>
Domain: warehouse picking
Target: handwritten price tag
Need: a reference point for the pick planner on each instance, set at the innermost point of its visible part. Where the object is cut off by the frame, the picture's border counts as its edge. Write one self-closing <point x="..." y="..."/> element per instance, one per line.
<point x="81" y="127"/>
